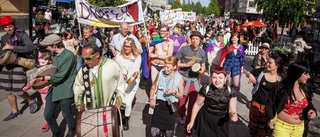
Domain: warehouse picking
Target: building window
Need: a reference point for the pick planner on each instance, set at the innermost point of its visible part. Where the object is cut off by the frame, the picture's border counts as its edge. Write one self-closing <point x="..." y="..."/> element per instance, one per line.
<point x="251" y="4"/>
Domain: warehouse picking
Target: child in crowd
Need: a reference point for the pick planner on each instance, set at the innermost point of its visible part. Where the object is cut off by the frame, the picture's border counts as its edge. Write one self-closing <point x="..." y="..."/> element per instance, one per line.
<point x="45" y="60"/>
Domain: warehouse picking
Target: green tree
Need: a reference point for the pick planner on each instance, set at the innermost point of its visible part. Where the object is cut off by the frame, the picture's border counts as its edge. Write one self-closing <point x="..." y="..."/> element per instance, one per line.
<point x="197" y="8"/>
<point x="176" y="4"/>
<point x="192" y="6"/>
<point x="213" y="7"/>
<point x="204" y="10"/>
<point x="285" y="11"/>
<point x="106" y="3"/>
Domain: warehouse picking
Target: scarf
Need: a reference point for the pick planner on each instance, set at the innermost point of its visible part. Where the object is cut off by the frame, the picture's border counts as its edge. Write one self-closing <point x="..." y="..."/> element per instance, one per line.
<point x="156" y="40"/>
<point x="15" y="39"/>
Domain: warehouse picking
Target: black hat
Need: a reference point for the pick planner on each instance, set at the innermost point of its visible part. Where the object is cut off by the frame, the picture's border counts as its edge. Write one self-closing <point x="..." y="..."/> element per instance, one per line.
<point x="196" y="33"/>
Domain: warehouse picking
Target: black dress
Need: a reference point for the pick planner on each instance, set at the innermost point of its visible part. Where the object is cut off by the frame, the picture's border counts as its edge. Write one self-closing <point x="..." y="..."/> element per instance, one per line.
<point x="213" y="119"/>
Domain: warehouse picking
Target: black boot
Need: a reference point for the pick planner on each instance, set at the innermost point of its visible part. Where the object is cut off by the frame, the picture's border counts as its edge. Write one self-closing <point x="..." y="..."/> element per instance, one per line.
<point x="126" y="123"/>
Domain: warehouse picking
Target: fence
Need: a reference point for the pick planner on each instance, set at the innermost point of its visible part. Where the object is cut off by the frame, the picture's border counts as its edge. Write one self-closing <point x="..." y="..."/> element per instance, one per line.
<point x="253" y="48"/>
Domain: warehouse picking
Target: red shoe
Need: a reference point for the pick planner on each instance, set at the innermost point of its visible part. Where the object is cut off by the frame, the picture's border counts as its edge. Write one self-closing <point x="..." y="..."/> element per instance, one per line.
<point x="45" y="127"/>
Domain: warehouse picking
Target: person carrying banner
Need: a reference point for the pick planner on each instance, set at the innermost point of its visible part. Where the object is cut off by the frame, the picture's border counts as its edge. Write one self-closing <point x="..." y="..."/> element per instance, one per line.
<point x="118" y="39"/>
<point x="189" y="56"/>
<point x="13" y="77"/>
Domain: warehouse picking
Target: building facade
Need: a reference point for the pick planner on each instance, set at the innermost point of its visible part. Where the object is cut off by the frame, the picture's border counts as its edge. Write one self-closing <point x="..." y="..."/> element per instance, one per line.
<point x="18" y="10"/>
<point x="242" y="9"/>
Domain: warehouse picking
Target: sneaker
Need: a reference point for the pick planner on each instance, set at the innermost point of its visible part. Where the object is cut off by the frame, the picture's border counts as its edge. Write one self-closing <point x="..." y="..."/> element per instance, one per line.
<point x="12" y="116"/>
<point x="182" y="120"/>
<point x="33" y="106"/>
<point x="45" y="127"/>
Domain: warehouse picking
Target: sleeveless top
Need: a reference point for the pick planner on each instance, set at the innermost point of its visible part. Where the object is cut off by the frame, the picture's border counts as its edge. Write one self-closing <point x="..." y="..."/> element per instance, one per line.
<point x="165" y="84"/>
<point x="296" y="107"/>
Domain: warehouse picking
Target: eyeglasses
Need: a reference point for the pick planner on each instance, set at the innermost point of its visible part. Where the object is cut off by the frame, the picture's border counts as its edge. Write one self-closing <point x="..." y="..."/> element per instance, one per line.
<point x="127" y="46"/>
<point x="90" y="57"/>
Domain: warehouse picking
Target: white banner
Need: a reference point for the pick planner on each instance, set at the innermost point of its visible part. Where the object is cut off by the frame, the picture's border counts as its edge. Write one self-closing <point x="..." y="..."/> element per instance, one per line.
<point x="171" y="17"/>
<point x="109" y="16"/>
<point x="190" y="16"/>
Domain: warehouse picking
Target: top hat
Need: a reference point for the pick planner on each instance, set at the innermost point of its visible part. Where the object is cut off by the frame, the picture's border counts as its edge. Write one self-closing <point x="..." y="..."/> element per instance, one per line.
<point x="6" y="20"/>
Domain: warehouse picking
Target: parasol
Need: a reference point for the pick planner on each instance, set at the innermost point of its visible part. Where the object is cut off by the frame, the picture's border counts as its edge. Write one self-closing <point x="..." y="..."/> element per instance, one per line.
<point x="254" y="24"/>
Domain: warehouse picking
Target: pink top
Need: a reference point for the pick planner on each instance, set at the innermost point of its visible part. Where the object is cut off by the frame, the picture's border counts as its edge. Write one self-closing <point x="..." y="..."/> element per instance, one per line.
<point x="43" y="91"/>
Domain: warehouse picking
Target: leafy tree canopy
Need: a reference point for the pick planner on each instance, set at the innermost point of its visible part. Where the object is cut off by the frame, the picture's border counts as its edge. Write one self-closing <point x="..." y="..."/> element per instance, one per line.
<point x="286" y="11"/>
<point x="106" y="3"/>
<point x="176" y="4"/>
<point x="213" y="7"/>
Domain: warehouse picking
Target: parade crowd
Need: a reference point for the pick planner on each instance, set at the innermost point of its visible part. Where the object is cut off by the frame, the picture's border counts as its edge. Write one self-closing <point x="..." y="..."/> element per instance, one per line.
<point x="195" y="69"/>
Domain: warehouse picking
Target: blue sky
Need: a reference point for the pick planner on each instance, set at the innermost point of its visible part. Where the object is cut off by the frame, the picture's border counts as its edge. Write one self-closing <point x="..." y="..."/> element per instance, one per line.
<point x="203" y="2"/>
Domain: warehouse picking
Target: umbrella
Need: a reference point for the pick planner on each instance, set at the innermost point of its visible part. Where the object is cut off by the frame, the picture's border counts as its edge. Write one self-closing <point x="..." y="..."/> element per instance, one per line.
<point x="254" y="24"/>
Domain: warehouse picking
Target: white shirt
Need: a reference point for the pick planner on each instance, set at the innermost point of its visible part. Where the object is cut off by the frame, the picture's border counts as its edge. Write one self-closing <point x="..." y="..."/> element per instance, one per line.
<point x="118" y="40"/>
<point x="48" y="15"/>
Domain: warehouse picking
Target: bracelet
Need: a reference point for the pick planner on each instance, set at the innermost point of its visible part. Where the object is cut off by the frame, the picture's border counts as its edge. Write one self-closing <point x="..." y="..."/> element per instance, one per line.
<point x="42" y="78"/>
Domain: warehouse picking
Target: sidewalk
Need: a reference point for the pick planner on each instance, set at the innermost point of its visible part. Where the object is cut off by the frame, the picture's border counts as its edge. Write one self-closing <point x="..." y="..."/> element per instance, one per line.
<point x="29" y="125"/>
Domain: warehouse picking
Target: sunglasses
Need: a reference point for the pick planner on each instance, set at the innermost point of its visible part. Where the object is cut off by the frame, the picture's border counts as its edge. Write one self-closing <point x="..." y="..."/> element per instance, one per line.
<point x="90" y="57"/>
<point x="264" y="48"/>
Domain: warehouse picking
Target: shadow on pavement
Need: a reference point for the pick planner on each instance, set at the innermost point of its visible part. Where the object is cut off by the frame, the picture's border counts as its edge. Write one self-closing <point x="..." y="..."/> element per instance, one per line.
<point x="145" y="84"/>
<point x="26" y="103"/>
<point x="243" y="99"/>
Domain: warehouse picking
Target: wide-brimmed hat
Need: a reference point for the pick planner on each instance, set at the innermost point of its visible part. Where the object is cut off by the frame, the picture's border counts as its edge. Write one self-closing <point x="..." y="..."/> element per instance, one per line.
<point x="6" y="20"/>
<point x="50" y="40"/>
<point x="196" y="33"/>
<point x="265" y="45"/>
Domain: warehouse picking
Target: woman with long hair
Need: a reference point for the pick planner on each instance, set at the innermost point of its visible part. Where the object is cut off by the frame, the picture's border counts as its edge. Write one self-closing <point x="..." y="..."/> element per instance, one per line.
<point x="290" y="105"/>
<point x="70" y="43"/>
<point x="264" y="80"/>
<point x="215" y="106"/>
<point x="233" y="60"/>
<point x="129" y="58"/>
